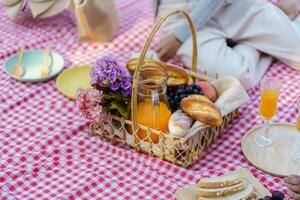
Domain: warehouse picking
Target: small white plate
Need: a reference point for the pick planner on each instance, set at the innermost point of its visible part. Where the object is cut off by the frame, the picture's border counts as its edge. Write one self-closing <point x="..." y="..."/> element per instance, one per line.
<point x="32" y="64"/>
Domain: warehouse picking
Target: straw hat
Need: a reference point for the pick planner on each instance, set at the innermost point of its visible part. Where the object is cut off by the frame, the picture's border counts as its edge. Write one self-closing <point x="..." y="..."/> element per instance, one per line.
<point x="39" y="8"/>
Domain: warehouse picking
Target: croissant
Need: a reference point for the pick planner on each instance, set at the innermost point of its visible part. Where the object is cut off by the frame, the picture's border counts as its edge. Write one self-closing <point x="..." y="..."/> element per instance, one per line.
<point x="202" y="109"/>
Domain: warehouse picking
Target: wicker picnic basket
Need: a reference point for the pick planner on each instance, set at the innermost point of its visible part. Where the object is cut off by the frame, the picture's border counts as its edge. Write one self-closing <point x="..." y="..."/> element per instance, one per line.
<point x="182" y="152"/>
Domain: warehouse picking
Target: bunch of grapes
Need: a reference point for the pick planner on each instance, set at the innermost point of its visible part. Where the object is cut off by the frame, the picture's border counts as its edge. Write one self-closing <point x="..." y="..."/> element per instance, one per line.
<point x="177" y="93"/>
<point x="276" y="195"/>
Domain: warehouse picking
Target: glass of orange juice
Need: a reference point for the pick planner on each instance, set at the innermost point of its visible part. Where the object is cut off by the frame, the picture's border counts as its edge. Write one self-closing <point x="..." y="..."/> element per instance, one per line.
<point x="296" y="156"/>
<point x="269" y="94"/>
<point x="153" y="109"/>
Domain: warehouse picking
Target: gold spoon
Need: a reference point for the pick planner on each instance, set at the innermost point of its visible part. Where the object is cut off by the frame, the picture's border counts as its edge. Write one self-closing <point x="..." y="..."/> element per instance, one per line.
<point x="45" y="69"/>
<point x="18" y="69"/>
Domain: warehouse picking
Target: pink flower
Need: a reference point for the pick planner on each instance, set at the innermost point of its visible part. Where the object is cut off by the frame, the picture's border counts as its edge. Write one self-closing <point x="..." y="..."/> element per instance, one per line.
<point x="89" y="103"/>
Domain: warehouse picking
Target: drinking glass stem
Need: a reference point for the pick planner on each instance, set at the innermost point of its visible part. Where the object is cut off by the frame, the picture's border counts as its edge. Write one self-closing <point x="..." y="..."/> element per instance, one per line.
<point x="266" y="128"/>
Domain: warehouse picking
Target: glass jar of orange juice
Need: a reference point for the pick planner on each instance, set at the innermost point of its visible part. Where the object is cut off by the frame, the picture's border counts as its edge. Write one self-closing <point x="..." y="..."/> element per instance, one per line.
<point x="153" y="109"/>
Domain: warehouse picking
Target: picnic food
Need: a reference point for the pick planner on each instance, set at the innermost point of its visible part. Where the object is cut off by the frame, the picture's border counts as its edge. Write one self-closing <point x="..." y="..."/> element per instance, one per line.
<point x="227" y="187"/>
<point x="191" y="81"/>
<point x="176" y="75"/>
<point x="208" y="90"/>
<point x="221" y="191"/>
<point x="179" y="123"/>
<point x="143" y="110"/>
<point x="202" y="109"/>
<point x="246" y="194"/>
<point x="276" y="195"/>
<point x="180" y="151"/>
<point x="176" y="94"/>
<point x="223" y="181"/>
<point x="269" y="98"/>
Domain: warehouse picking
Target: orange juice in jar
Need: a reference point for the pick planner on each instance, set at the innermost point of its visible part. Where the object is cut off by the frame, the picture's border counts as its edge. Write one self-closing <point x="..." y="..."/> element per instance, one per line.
<point x="152" y="108"/>
<point x="268" y="105"/>
<point x="145" y="112"/>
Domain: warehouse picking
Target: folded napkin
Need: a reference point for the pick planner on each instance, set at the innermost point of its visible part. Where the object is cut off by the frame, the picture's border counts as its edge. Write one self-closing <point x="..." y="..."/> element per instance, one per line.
<point x="232" y="95"/>
<point x="39" y="8"/>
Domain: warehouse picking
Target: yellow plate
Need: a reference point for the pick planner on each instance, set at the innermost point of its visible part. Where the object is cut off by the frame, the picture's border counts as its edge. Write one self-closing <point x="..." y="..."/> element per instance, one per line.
<point x="71" y="79"/>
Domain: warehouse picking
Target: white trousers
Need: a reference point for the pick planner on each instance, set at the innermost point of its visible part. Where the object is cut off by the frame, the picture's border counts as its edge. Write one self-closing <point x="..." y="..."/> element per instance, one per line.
<point x="258" y="28"/>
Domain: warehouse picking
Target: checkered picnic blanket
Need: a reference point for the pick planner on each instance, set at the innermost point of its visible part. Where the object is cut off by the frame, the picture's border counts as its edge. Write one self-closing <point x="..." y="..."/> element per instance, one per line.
<point x="46" y="151"/>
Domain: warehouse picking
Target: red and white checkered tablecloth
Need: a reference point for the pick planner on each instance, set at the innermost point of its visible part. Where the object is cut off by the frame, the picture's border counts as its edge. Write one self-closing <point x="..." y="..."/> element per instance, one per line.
<point x="46" y="151"/>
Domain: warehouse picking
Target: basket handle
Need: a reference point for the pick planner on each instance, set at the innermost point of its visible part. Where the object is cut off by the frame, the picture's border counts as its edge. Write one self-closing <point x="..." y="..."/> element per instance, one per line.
<point x="143" y="54"/>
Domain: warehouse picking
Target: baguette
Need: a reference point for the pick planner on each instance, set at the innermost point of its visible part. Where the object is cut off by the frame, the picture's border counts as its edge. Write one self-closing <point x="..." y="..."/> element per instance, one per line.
<point x="246" y="194"/>
<point x="223" y="191"/>
<point x="218" y="182"/>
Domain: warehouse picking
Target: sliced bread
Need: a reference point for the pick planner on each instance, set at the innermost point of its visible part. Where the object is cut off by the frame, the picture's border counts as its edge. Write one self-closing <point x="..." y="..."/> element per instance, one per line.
<point x="246" y="194"/>
<point x="217" y="182"/>
<point x="222" y="191"/>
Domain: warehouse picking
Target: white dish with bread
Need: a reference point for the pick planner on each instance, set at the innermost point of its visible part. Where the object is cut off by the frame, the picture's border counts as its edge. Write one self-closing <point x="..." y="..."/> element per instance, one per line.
<point x="237" y="185"/>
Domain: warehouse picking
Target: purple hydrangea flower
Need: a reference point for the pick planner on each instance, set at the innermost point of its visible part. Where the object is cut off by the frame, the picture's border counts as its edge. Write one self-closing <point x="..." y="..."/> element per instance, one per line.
<point x="114" y="86"/>
<point x="108" y="72"/>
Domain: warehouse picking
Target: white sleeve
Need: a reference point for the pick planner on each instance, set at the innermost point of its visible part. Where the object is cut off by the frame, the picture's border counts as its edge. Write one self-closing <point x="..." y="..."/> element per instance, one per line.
<point x="201" y="14"/>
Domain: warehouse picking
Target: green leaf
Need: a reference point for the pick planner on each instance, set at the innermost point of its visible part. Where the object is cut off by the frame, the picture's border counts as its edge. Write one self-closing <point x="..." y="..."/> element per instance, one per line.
<point x="121" y="106"/>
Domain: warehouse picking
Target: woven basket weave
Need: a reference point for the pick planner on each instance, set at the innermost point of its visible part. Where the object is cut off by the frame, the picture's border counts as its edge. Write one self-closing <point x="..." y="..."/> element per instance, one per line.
<point x="182" y="152"/>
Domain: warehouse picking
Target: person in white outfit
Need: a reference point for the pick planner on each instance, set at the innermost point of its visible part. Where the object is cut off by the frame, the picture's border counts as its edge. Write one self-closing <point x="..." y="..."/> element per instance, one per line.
<point x="235" y="37"/>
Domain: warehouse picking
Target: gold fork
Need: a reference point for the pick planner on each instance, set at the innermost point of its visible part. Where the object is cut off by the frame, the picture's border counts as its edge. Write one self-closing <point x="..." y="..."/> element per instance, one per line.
<point x="18" y="69"/>
<point x="45" y="68"/>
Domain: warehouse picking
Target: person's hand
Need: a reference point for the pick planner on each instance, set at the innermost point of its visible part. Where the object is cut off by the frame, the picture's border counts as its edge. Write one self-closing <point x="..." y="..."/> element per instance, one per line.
<point x="167" y="47"/>
<point x="290" y="7"/>
<point x="293" y="183"/>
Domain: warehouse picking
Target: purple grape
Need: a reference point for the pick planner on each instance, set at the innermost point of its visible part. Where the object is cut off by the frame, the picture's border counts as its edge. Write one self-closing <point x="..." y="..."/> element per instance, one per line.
<point x="189" y="89"/>
<point x="268" y="198"/>
<point x="177" y="93"/>
<point x="277" y="195"/>
<point x="176" y="97"/>
<point x="196" y="91"/>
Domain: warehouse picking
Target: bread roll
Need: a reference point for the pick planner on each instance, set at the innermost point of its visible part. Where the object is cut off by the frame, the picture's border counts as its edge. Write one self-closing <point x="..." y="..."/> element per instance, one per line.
<point x="179" y="123"/>
<point x="177" y="76"/>
<point x="132" y="63"/>
<point x="200" y="98"/>
<point x="202" y="109"/>
<point x="191" y="81"/>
